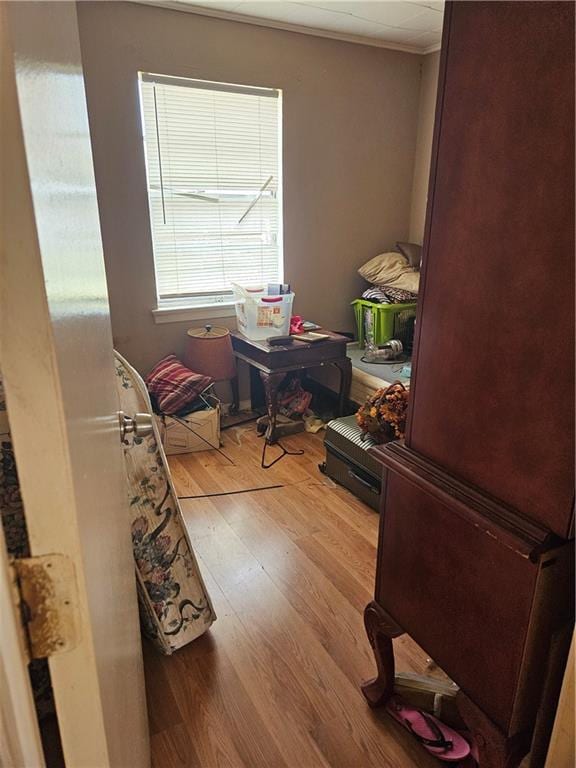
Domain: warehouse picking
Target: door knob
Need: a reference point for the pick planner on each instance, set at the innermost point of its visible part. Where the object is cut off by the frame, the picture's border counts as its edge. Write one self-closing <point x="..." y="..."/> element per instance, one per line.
<point x="140" y="424"/>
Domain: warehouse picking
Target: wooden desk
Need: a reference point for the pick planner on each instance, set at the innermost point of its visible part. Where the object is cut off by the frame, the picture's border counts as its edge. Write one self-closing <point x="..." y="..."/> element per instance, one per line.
<point x="273" y="363"/>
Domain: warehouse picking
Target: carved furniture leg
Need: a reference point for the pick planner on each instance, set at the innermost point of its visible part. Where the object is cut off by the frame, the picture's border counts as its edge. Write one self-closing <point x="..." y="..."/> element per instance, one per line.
<point x="271" y="383"/>
<point x="496" y="750"/>
<point x="344" y="365"/>
<point x="381" y="629"/>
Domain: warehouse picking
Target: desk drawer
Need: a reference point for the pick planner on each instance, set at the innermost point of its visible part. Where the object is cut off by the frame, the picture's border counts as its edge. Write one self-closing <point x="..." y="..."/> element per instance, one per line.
<point x="292" y="356"/>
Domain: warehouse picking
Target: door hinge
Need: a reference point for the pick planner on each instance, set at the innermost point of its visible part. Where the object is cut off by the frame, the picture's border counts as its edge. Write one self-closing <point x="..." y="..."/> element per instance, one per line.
<point x="48" y="598"/>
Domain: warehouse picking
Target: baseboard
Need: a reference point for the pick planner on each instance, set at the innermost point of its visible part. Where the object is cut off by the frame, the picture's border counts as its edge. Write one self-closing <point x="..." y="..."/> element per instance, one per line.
<point x="245" y="405"/>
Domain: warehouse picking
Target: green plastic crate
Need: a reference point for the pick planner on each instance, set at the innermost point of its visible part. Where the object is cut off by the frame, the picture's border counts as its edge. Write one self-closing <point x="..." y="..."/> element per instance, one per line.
<point x="388" y="320"/>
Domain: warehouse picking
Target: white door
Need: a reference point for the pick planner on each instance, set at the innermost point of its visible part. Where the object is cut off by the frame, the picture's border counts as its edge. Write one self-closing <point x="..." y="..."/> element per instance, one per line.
<point x="56" y="360"/>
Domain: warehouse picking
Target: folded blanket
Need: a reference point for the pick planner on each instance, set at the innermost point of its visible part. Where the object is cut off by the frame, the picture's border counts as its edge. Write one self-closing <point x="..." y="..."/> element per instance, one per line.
<point x="376" y="294"/>
<point x="386" y="295"/>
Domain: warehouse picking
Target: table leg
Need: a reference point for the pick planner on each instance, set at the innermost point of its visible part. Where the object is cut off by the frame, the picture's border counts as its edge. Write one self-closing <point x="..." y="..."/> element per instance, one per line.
<point x="256" y="399"/>
<point x="345" y="367"/>
<point x="496" y="749"/>
<point x="235" y="407"/>
<point x="271" y="382"/>
<point x="381" y="629"/>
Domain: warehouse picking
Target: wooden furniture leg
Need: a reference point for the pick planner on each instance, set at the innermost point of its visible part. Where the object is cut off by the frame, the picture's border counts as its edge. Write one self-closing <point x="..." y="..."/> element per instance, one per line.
<point x="344" y="365"/>
<point x="271" y="382"/>
<point x="235" y="406"/>
<point x="496" y="750"/>
<point x="381" y="629"/>
<point x="256" y="389"/>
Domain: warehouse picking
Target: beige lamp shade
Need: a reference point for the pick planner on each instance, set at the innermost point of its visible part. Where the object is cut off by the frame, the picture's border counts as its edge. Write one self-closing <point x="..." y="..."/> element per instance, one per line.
<point x="209" y="351"/>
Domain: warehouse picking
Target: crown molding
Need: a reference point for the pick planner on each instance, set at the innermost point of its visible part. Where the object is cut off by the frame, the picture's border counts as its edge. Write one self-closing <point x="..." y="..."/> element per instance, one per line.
<point x="184" y="7"/>
<point x="431" y="49"/>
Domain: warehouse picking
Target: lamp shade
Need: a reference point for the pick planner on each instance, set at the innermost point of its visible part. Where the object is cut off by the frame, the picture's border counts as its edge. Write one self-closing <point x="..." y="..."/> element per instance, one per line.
<point x="209" y="351"/>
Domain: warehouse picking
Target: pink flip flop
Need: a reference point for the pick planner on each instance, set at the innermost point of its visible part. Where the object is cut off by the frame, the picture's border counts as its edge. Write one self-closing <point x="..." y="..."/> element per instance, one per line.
<point x="436" y="737"/>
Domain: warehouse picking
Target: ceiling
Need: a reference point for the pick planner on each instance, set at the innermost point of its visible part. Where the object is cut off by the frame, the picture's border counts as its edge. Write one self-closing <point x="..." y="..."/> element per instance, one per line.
<point x="410" y="25"/>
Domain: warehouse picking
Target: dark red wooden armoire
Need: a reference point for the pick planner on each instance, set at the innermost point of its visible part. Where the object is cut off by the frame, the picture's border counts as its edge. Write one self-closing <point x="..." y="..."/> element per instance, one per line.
<point x="474" y="554"/>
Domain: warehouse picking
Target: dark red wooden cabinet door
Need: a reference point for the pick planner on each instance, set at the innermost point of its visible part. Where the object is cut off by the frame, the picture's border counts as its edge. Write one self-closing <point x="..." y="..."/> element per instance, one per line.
<point x="463" y="593"/>
<point x="493" y="386"/>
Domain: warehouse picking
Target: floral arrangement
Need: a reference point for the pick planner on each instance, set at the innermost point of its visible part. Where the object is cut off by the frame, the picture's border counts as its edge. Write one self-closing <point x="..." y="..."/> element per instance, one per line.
<point x="383" y="415"/>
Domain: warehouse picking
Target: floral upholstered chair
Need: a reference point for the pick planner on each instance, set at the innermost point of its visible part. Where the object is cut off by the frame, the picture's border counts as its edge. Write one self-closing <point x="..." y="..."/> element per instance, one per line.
<point x="174" y="605"/>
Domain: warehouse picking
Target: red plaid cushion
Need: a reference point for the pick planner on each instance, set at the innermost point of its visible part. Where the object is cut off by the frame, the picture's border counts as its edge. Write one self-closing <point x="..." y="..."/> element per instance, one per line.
<point x="173" y="385"/>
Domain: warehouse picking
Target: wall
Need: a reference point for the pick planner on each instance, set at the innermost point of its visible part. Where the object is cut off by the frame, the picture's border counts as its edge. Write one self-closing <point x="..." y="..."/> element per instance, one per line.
<point x="349" y="137"/>
<point x="427" y="108"/>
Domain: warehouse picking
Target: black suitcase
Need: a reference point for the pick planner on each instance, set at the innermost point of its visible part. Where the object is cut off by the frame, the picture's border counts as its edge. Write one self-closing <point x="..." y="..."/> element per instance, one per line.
<point x="349" y="463"/>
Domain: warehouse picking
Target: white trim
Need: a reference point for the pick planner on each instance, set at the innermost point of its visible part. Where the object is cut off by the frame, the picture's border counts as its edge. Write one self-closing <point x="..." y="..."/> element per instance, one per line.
<point x="209" y="85"/>
<point x="431" y="49"/>
<point x="561" y="748"/>
<point x="374" y="42"/>
<point x="20" y="742"/>
<point x="261" y="244"/>
<point x="182" y="314"/>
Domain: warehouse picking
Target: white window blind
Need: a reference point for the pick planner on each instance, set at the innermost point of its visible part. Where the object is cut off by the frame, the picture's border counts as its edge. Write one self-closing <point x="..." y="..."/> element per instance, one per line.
<point x="214" y="186"/>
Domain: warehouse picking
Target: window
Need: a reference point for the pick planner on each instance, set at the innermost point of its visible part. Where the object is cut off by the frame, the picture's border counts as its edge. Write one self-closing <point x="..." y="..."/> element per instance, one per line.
<point x="213" y="161"/>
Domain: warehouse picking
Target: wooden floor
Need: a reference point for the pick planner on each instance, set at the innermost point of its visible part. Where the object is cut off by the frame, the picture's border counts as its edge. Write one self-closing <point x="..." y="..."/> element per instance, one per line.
<point x="275" y="682"/>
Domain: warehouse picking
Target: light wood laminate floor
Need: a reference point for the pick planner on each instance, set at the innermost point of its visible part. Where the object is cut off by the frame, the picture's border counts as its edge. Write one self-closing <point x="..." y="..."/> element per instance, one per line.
<point x="275" y="682"/>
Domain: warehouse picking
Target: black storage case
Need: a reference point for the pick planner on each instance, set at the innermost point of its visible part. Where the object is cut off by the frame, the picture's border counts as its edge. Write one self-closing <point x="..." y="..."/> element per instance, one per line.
<point x="349" y="463"/>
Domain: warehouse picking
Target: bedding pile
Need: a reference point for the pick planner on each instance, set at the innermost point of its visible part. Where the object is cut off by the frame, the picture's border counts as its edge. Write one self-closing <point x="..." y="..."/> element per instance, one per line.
<point x="394" y="276"/>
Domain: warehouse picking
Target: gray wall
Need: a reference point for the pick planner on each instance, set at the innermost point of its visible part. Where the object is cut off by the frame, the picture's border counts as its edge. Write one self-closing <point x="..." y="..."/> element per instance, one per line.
<point x="349" y="135"/>
<point x="426" y="111"/>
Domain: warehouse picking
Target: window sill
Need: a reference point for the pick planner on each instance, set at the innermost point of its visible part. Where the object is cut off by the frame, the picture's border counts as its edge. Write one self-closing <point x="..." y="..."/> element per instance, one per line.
<point x="182" y="314"/>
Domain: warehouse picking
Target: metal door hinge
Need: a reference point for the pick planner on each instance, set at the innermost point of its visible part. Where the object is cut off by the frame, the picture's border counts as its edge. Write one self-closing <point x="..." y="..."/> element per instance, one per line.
<point x="48" y="598"/>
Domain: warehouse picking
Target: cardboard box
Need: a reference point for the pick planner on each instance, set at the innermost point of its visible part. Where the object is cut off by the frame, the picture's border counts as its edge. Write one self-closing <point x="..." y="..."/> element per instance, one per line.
<point x="198" y="431"/>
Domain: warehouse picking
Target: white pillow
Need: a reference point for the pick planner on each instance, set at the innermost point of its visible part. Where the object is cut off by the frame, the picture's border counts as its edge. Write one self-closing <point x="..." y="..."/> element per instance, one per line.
<point x="391" y="269"/>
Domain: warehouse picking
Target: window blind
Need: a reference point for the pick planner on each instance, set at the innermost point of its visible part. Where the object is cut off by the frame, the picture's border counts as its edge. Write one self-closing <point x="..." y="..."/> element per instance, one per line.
<point x="214" y="186"/>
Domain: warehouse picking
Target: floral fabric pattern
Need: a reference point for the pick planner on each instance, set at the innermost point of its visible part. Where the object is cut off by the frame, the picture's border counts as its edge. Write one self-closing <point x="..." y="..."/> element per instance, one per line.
<point x="174" y="605"/>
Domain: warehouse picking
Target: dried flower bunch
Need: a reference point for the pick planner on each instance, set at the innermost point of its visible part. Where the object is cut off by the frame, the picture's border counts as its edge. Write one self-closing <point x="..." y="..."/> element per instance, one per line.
<point x="383" y="415"/>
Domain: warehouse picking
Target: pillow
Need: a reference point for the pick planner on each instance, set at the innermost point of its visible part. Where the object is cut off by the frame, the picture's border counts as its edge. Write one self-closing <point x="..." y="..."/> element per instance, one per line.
<point x="413" y="253"/>
<point x="174" y="386"/>
<point x="391" y="269"/>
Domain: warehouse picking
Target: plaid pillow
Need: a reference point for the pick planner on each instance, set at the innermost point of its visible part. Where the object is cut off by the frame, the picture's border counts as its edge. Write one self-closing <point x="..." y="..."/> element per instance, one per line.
<point x="174" y="386"/>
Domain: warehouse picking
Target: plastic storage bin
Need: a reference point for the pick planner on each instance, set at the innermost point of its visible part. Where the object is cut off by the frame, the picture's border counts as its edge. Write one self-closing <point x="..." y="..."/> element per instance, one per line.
<point x="260" y="316"/>
<point x="389" y="321"/>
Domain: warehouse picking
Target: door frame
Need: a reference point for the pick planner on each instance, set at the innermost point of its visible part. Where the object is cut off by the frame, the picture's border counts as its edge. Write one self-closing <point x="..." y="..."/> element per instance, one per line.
<point x="58" y="370"/>
<point x="20" y="742"/>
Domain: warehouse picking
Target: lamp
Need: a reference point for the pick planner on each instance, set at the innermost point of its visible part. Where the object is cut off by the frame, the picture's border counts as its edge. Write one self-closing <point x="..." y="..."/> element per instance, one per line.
<point x="209" y="351"/>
